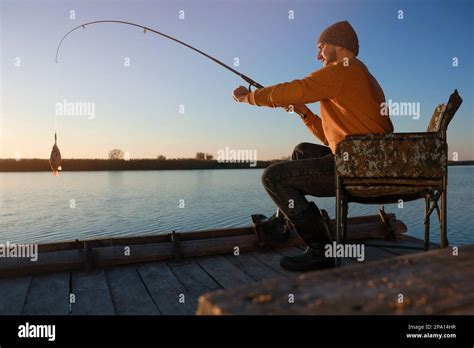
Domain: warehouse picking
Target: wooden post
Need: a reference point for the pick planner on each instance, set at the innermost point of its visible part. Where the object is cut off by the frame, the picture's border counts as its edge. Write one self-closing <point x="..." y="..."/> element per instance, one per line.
<point x="258" y="228"/>
<point x="175" y="240"/>
<point x="88" y="257"/>
<point x="390" y="234"/>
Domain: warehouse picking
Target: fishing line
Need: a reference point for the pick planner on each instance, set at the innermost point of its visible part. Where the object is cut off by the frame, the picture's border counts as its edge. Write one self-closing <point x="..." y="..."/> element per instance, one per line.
<point x="55" y="159"/>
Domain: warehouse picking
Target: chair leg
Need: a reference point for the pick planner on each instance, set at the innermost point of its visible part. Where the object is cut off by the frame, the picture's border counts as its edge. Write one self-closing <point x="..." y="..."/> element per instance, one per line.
<point x="426" y="244"/>
<point x="338" y="216"/>
<point x="345" y="211"/>
<point x="444" y="219"/>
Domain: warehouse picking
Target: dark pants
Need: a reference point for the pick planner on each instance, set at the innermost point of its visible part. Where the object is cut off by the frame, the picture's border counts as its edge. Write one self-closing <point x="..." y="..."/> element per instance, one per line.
<point x="310" y="172"/>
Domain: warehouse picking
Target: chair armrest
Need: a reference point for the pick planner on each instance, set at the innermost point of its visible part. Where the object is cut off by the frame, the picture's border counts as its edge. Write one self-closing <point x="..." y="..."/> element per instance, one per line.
<point x="392" y="155"/>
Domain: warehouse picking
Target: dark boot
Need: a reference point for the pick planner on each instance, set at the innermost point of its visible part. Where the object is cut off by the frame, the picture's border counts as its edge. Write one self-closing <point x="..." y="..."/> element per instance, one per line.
<point x="312" y="228"/>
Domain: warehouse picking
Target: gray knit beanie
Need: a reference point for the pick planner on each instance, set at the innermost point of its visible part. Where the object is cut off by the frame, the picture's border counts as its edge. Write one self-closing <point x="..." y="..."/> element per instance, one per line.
<point x="341" y="34"/>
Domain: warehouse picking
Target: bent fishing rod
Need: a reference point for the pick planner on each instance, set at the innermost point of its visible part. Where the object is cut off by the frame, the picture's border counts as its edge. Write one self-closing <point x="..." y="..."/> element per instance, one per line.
<point x="145" y="29"/>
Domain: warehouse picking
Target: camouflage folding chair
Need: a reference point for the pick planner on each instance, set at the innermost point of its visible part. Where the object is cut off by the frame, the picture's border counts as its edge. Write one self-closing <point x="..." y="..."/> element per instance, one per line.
<point x="386" y="168"/>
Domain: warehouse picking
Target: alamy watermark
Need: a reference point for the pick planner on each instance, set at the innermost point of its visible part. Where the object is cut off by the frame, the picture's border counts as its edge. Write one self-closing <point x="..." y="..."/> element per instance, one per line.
<point x="69" y="108"/>
<point x="37" y="331"/>
<point x="356" y="251"/>
<point x="228" y="155"/>
<point x="19" y="250"/>
<point x="392" y="108"/>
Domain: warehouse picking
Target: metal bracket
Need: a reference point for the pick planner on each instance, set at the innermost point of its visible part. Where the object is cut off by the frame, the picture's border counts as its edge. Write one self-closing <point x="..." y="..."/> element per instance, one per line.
<point x="258" y="229"/>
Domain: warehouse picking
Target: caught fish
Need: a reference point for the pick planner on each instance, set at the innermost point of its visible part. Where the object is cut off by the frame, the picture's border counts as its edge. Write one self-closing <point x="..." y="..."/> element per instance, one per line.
<point x="55" y="160"/>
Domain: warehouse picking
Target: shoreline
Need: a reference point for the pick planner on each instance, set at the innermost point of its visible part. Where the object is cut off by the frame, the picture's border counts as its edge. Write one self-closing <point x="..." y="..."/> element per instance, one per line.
<point x="81" y="165"/>
<point x="78" y="165"/>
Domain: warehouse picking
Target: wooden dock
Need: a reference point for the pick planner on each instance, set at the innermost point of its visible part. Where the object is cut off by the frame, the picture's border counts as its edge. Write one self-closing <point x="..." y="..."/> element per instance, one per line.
<point x="427" y="283"/>
<point x="167" y="287"/>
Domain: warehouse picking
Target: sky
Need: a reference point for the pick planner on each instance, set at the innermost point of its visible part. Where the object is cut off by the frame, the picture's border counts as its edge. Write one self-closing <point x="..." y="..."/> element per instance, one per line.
<point x="154" y="97"/>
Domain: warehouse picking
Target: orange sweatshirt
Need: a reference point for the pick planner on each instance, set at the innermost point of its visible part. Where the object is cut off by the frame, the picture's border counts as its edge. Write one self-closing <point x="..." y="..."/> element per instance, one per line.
<point x="349" y="96"/>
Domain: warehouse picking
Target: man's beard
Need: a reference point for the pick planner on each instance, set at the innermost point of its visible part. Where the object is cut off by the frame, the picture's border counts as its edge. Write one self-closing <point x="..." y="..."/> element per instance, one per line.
<point x="331" y="57"/>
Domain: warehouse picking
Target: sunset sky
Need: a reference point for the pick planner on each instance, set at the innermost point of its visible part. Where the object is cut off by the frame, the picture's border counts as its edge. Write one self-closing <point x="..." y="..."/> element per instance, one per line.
<point x="137" y="108"/>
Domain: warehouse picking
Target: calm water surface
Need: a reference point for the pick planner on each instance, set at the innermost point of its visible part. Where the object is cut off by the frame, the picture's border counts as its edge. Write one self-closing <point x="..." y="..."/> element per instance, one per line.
<point x="37" y="207"/>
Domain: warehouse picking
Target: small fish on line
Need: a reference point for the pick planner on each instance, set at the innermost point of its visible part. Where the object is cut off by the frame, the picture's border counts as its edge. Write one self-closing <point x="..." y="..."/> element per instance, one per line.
<point x="55" y="159"/>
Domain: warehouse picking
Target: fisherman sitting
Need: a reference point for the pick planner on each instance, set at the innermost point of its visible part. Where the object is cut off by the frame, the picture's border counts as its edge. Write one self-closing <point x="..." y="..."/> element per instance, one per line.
<point x="350" y="101"/>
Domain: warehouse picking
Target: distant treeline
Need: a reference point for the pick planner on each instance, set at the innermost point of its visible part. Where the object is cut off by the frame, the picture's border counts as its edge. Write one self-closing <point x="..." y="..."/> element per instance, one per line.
<point x="460" y="163"/>
<point x="39" y="165"/>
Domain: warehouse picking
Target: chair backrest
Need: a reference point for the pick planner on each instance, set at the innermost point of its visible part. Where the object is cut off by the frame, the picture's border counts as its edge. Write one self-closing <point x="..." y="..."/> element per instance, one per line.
<point x="444" y="113"/>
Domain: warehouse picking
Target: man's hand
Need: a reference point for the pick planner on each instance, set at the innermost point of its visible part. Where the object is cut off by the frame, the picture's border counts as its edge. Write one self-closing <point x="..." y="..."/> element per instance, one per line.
<point x="241" y="94"/>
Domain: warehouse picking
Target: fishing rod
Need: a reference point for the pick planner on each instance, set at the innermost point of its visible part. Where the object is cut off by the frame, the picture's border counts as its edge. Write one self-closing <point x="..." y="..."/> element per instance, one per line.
<point x="145" y="29"/>
<point x="56" y="154"/>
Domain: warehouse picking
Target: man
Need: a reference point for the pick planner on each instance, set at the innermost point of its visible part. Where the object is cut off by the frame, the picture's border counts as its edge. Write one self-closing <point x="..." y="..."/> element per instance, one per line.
<point x="350" y="101"/>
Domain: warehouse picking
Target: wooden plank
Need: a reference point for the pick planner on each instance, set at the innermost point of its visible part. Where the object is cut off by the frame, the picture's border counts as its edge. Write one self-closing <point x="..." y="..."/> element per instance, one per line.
<point x="13" y="295"/>
<point x="184" y="236"/>
<point x="52" y="261"/>
<point x="141" y="253"/>
<point x="292" y="251"/>
<point x="106" y="256"/>
<point x="195" y="280"/>
<point x="48" y="295"/>
<point x="371" y="253"/>
<point x="431" y="283"/>
<point x="129" y="294"/>
<point x="402" y="240"/>
<point x="272" y="259"/>
<point x="92" y="296"/>
<point x="345" y="261"/>
<point x="166" y="290"/>
<point x="116" y="255"/>
<point x="297" y="250"/>
<point x="218" y="246"/>
<point x="364" y="229"/>
<point x="368" y="230"/>
<point x="418" y="241"/>
<point x="376" y="253"/>
<point x="252" y="266"/>
<point x="353" y="220"/>
<point x="223" y="272"/>
<point x="151" y="239"/>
